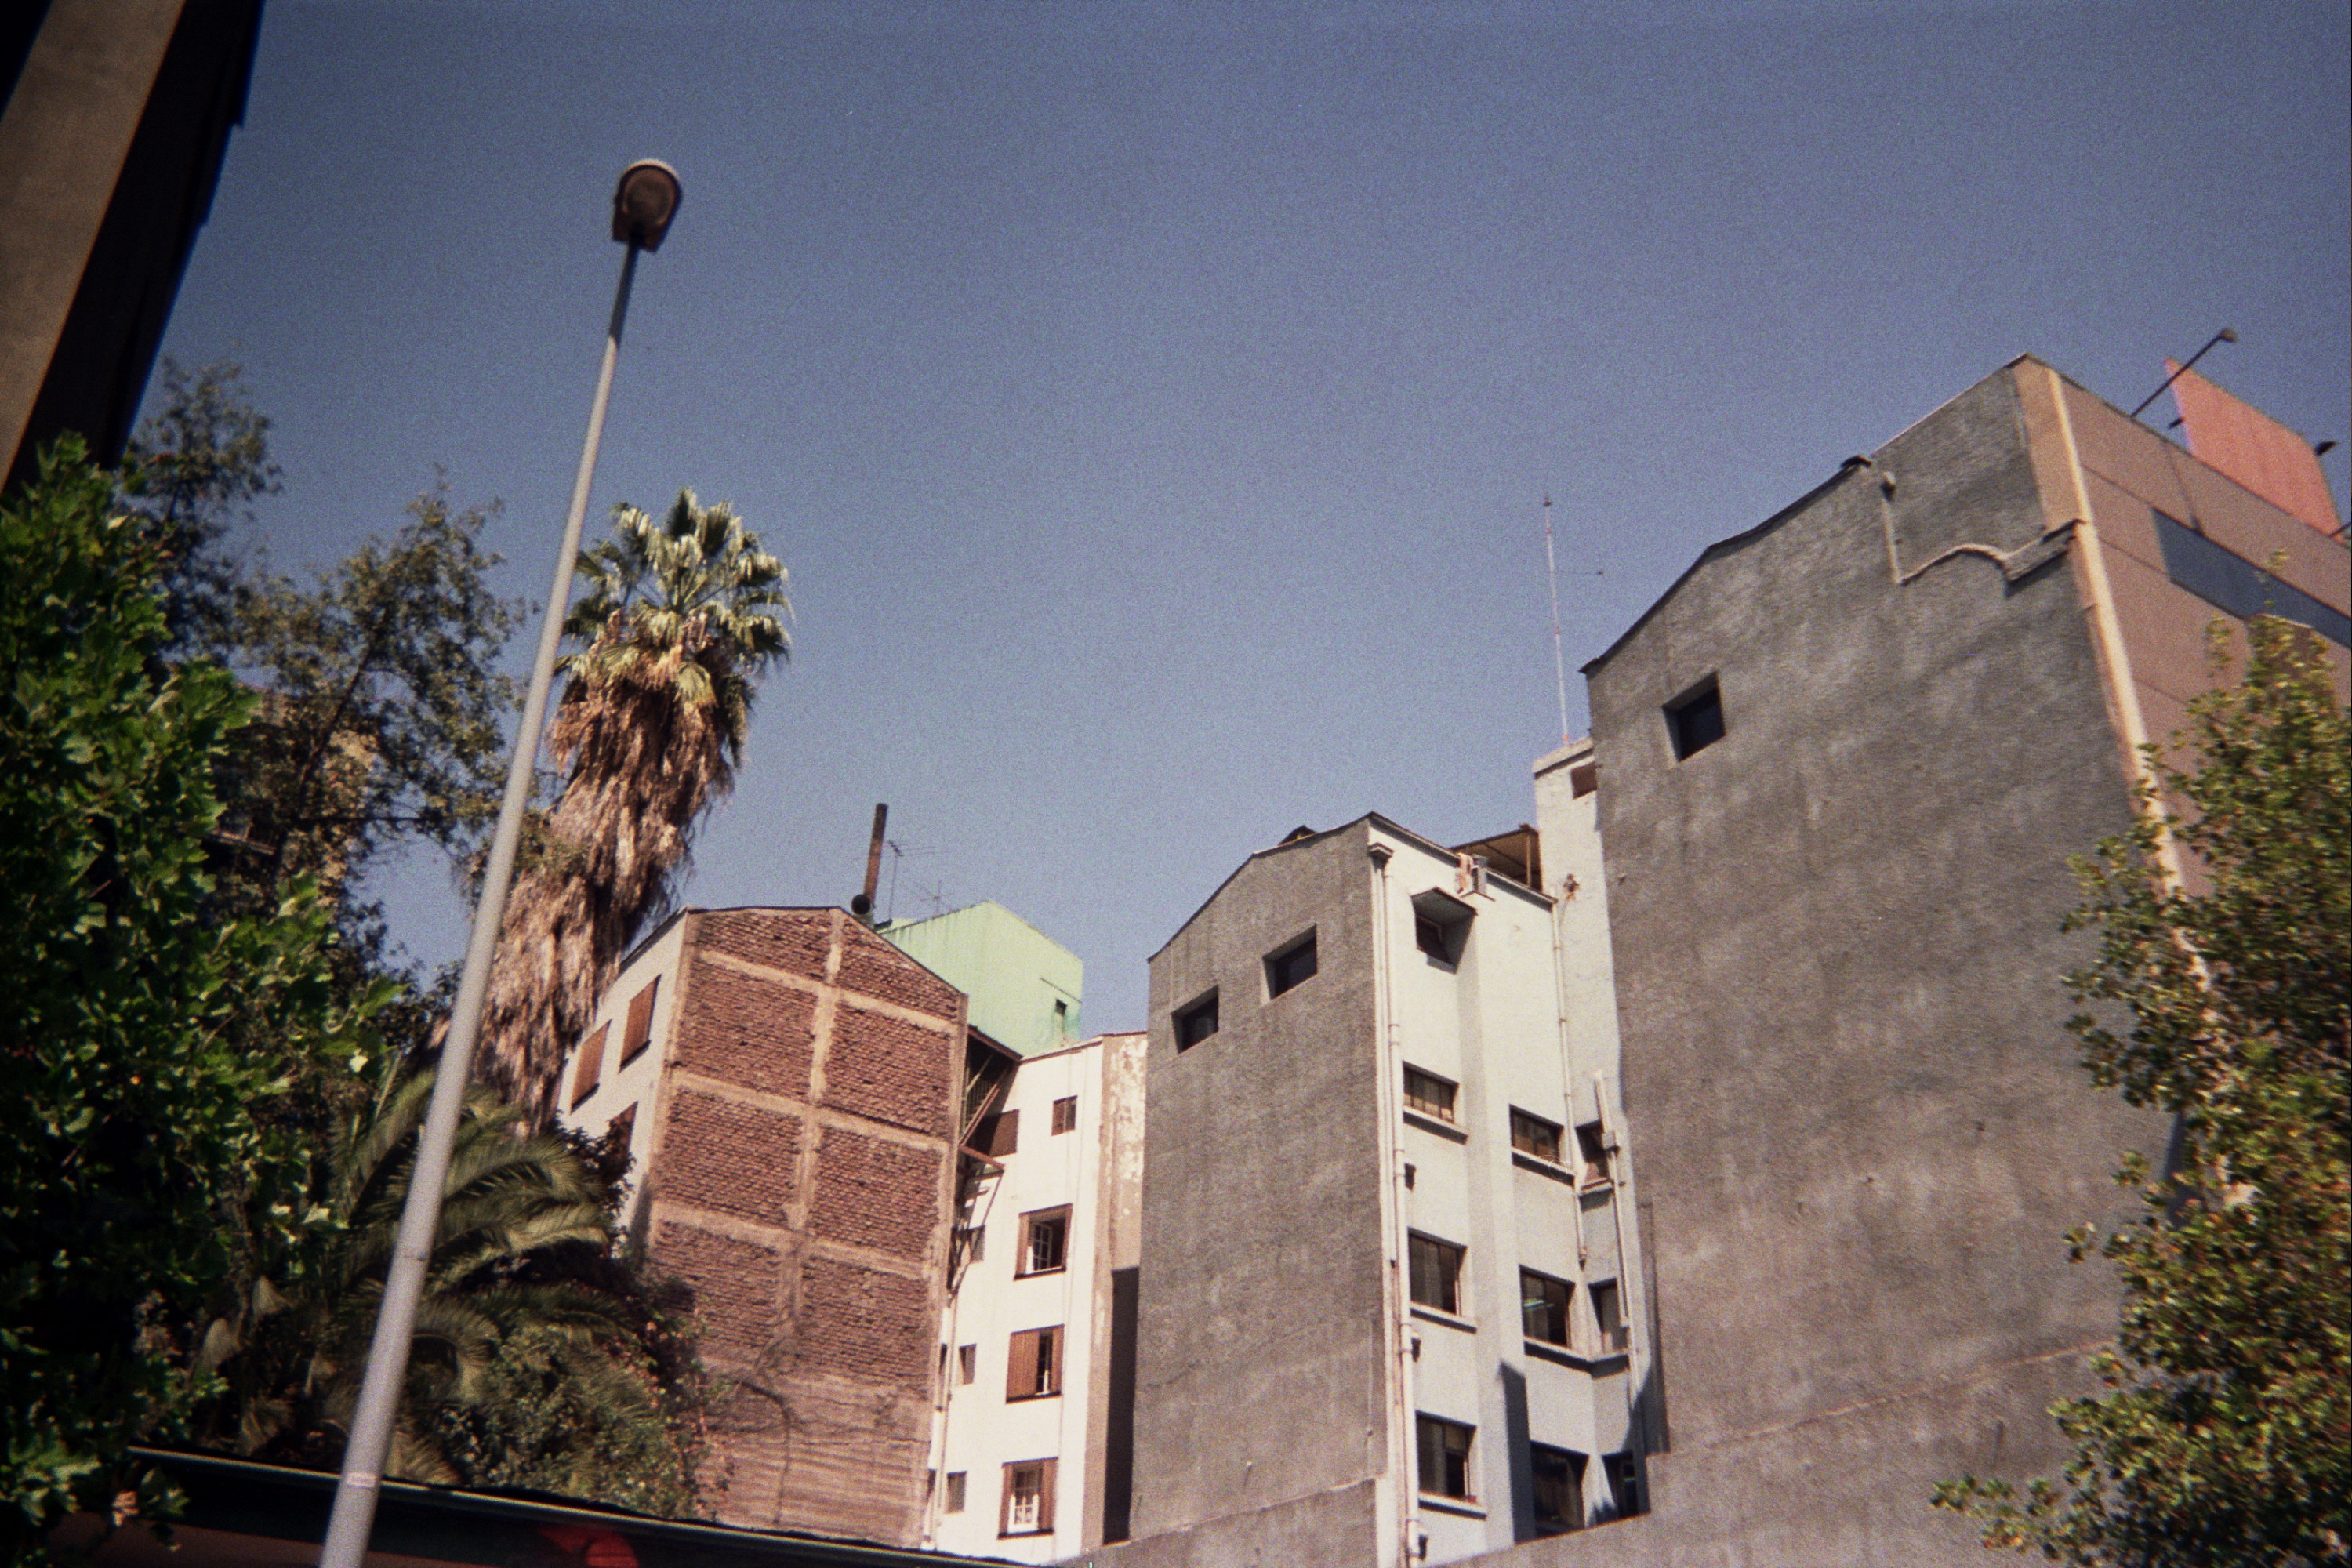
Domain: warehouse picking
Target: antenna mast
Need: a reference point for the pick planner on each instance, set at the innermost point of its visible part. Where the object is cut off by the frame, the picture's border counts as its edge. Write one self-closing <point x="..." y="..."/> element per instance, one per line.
<point x="1559" y="665"/>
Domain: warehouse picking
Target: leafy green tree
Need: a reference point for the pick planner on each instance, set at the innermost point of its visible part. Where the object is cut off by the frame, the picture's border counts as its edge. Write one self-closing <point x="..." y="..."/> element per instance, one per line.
<point x="540" y="1359"/>
<point x="189" y="472"/>
<point x="2226" y="1433"/>
<point x="682" y="614"/>
<point x="147" y="1050"/>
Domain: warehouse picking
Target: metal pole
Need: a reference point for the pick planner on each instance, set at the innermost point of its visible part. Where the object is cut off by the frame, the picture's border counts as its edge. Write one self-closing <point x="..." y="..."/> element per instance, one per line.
<point x="420" y="1218"/>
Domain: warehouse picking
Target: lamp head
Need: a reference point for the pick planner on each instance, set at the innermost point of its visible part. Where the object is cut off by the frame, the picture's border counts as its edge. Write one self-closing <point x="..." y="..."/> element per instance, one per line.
<point x="644" y="203"/>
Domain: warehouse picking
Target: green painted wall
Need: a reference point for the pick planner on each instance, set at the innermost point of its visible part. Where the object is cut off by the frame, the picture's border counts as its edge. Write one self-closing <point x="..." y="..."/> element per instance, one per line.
<point x="1014" y="973"/>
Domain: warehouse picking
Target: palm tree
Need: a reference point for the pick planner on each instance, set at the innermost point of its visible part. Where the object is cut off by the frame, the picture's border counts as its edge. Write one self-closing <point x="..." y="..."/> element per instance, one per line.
<point x="520" y="1289"/>
<point x="682" y="615"/>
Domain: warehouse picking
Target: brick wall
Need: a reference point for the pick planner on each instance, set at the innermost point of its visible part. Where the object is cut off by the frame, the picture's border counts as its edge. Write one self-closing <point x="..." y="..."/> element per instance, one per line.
<point x="800" y="1183"/>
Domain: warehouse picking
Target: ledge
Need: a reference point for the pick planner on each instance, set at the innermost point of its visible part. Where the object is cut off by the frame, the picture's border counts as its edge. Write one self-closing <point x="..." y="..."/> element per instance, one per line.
<point x="1592" y="1361"/>
<point x="1459" y="1508"/>
<point x="1432" y="1315"/>
<point x="1560" y="1173"/>
<point x="1431" y="1124"/>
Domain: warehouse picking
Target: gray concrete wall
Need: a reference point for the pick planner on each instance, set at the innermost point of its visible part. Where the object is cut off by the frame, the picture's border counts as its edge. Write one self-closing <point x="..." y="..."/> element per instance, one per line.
<point x="1333" y="1526"/>
<point x="1862" y="1128"/>
<point x="1259" y="1361"/>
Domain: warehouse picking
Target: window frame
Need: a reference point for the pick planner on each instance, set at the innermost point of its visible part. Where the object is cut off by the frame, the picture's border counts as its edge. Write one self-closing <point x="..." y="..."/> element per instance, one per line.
<point x="1695" y="719"/>
<point x="1044" y="1524"/>
<point x="954" y="1500"/>
<point x="1559" y="1314"/>
<point x="1066" y="1114"/>
<point x="1023" y="1265"/>
<point x="638" y="1033"/>
<point x="588" y="1074"/>
<point x="1453" y="1095"/>
<point x="1445" y="1260"/>
<point x="1185" y="1020"/>
<point x="1577" y="1466"/>
<point x="1608" y="1340"/>
<point x="1033" y="1366"/>
<point x="1539" y="1128"/>
<point x="1427" y="1427"/>
<point x="1282" y="974"/>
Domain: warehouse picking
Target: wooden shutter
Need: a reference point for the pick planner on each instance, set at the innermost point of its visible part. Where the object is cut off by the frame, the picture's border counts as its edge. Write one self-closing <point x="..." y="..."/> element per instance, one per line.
<point x="592" y="1065"/>
<point x="1045" y="1496"/>
<point x="639" y="1032"/>
<point x="998" y="1134"/>
<point x="1021" y="1366"/>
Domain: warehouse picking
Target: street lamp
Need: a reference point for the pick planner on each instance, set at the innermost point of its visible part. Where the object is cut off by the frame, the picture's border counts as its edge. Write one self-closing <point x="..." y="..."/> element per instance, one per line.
<point x="643" y="204"/>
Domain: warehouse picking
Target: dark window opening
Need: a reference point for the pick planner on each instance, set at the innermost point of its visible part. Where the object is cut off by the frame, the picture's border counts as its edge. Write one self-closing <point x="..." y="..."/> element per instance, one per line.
<point x="1429" y="1094"/>
<point x="1559" y="1488"/>
<point x="1592" y="1150"/>
<point x="1444" y="1457"/>
<point x="1608" y="1317"/>
<point x="2228" y="581"/>
<point x="1293" y="966"/>
<point x="1044" y="1240"/>
<point x="1543" y="1307"/>
<point x="1624" y="1474"/>
<point x="1436" y="1274"/>
<point x="1196" y="1023"/>
<point x="1696" y="719"/>
<point x="1583" y="779"/>
<point x="1066" y="1114"/>
<point x="1534" y="1135"/>
<point x="967" y="1362"/>
<point x="1440" y="925"/>
<point x="955" y="1492"/>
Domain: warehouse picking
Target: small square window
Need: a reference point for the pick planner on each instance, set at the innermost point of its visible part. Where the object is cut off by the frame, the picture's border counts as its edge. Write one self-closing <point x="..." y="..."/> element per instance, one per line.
<point x="1608" y="1317"/>
<point x="1435" y="1273"/>
<point x="1429" y="1094"/>
<point x="1534" y="1135"/>
<point x="967" y="1362"/>
<point x="1293" y="966"/>
<point x="1196" y="1021"/>
<point x="1044" y="1240"/>
<point x="1694" y="719"/>
<point x="1558" y="1488"/>
<point x="1033" y="1367"/>
<point x="1066" y="1114"/>
<point x="1028" y="1499"/>
<point x="1444" y="1457"/>
<point x="1543" y="1307"/>
<point x="955" y="1492"/>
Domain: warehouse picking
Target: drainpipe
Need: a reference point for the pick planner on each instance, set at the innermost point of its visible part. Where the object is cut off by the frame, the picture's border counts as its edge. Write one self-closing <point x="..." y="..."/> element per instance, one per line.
<point x="1401" y="1386"/>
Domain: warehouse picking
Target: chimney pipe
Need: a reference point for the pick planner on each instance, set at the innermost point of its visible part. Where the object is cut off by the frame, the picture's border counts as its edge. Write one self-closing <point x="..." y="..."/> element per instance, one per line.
<point x="862" y="905"/>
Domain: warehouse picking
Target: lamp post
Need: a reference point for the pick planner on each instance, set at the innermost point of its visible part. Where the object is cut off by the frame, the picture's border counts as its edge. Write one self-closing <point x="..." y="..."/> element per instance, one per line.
<point x="643" y="204"/>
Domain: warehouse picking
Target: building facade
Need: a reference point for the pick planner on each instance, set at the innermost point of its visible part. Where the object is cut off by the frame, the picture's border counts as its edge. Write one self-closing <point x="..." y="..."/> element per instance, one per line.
<point x="1386" y="1313"/>
<point x="789" y="1083"/>
<point x="1838" y="769"/>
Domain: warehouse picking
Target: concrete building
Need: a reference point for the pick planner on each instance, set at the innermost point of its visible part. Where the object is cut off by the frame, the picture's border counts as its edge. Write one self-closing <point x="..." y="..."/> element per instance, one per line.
<point x="1837" y="770"/>
<point x="1034" y="1432"/>
<point x="1386" y="1313"/>
<point x="788" y="1082"/>
<point x="117" y="116"/>
<point x="1024" y="986"/>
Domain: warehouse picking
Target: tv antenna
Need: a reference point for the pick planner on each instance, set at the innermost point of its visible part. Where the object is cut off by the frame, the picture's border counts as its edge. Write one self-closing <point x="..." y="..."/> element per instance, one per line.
<point x="1559" y="661"/>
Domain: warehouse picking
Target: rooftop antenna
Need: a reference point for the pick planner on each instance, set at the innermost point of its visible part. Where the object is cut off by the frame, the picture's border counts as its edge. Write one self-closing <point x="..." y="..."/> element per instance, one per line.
<point x="862" y="905"/>
<point x="2226" y="335"/>
<point x="1558" y="663"/>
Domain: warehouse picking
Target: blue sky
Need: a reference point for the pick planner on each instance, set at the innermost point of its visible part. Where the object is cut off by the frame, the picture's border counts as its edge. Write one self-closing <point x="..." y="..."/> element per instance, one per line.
<point x="1154" y="404"/>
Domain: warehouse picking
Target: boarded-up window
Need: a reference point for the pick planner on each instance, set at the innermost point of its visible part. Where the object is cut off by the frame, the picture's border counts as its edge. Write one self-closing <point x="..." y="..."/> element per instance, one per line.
<point x="998" y="1135"/>
<point x="1028" y="1499"/>
<point x="1034" y="1369"/>
<point x="639" y="1031"/>
<point x="591" y="1068"/>
<point x="1044" y="1241"/>
<point x="1066" y="1114"/>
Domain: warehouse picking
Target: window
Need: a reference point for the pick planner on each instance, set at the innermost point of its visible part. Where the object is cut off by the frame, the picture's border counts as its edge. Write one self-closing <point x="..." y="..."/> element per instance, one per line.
<point x="1066" y="1114"/>
<point x="638" y="1032"/>
<point x="1196" y="1021"/>
<point x="1534" y="1135"/>
<point x="1624" y="1473"/>
<point x="1034" y="1367"/>
<point x="1436" y="1271"/>
<point x="591" y="1065"/>
<point x="1582" y="780"/>
<point x="1028" y="1499"/>
<point x="967" y="1362"/>
<point x="1608" y="1317"/>
<point x="1444" y="1457"/>
<point x="1695" y="719"/>
<point x="1543" y="1307"/>
<point x="1293" y="965"/>
<point x="1440" y="926"/>
<point x="1560" y="1488"/>
<point x="998" y="1135"/>
<point x="1044" y="1240"/>
<point x="1593" y="1149"/>
<point x="2228" y="581"/>
<point x="622" y="1128"/>
<point x="1429" y="1094"/>
<point x="955" y="1492"/>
